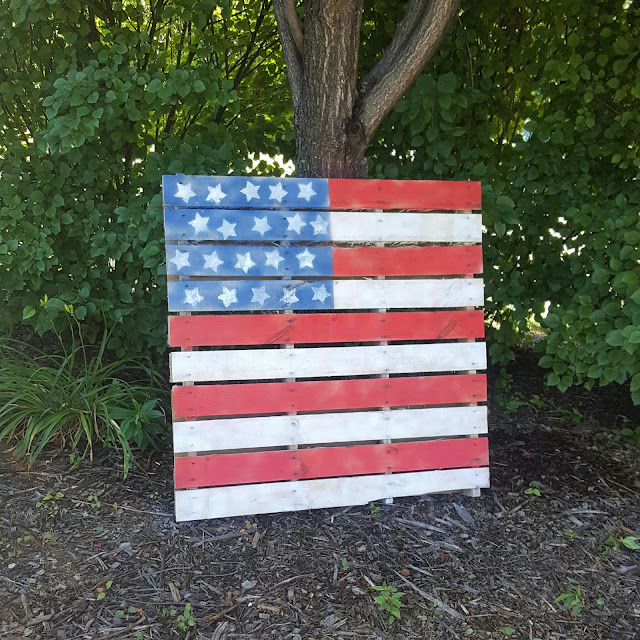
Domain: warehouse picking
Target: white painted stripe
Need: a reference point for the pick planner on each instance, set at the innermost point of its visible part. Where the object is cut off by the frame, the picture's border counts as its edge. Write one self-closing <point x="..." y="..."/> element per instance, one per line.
<point x="267" y="364"/>
<point x="222" y="502"/>
<point x="280" y="431"/>
<point x="371" y="226"/>
<point x="408" y="294"/>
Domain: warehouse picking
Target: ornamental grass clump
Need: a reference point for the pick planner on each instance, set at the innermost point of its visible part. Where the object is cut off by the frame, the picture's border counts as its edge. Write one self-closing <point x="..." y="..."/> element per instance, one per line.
<point x="78" y="399"/>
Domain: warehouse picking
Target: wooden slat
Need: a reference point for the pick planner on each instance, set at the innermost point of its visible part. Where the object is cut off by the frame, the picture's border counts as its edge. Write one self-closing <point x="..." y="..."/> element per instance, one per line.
<point x="277" y="295"/>
<point x="407" y="261"/>
<point x="401" y="294"/>
<point x="327" y="327"/>
<point x="327" y="462"/>
<point x="254" y="260"/>
<point x="419" y="195"/>
<point x="325" y="395"/>
<point x="219" y="502"/>
<point x="248" y="260"/>
<point x="365" y="226"/>
<point x="261" y="364"/>
<point x="279" y="431"/>
<point x="237" y="192"/>
<point x="250" y="225"/>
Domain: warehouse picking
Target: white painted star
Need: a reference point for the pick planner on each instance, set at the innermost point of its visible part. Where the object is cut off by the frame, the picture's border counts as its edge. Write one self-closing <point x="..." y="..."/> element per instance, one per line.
<point x="185" y="192"/>
<point x="273" y="258"/>
<point x="320" y="293"/>
<point x="244" y="261"/>
<point x="319" y="225"/>
<point x="261" y="225"/>
<point x="277" y="192"/>
<point x="296" y="223"/>
<point x="289" y="296"/>
<point x="212" y="261"/>
<point x="228" y="296"/>
<point x="251" y="191"/>
<point x="260" y="295"/>
<point x="180" y="259"/>
<point x="199" y="224"/>
<point x="306" y="191"/>
<point x="306" y="259"/>
<point x="192" y="296"/>
<point x="216" y="194"/>
<point x="227" y="229"/>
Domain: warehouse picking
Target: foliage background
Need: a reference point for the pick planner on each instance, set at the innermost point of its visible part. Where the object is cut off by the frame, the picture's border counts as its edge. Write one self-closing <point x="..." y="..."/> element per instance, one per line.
<point x="539" y="101"/>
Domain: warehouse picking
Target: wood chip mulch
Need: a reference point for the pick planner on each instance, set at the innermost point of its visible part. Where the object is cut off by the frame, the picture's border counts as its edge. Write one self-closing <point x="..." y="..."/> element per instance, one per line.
<point x="105" y="559"/>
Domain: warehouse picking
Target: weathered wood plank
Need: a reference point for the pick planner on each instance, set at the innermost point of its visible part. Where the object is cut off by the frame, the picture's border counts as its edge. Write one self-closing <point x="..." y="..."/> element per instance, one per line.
<point x="250" y="225"/>
<point x="326" y="395"/>
<point x="261" y="364"/>
<point x="327" y="462"/>
<point x="219" y="502"/>
<point x="407" y="261"/>
<point x="234" y="191"/>
<point x="313" y="328"/>
<point x="419" y="195"/>
<point x="279" y="431"/>
<point x="364" y="226"/>
<point x="275" y="295"/>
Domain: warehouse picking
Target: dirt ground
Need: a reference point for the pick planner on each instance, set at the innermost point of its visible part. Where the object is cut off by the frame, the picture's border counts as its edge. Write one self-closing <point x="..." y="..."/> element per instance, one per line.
<point x="83" y="555"/>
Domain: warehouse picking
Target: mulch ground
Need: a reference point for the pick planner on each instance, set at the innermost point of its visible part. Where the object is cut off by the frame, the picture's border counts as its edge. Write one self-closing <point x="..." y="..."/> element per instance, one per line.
<point x="104" y="559"/>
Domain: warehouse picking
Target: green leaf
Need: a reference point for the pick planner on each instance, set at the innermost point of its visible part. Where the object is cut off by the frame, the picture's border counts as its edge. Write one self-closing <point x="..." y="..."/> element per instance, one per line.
<point x="28" y="312"/>
<point x="447" y="83"/>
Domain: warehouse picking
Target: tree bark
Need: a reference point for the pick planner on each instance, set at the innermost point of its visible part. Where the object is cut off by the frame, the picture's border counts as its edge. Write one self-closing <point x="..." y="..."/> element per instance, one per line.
<point x="334" y="119"/>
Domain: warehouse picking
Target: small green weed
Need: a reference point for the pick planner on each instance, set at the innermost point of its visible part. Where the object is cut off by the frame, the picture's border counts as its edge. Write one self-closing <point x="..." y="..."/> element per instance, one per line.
<point x="576" y="416"/>
<point x="389" y="601"/>
<point x="126" y="615"/>
<point x="570" y="533"/>
<point x="503" y="631"/>
<point x="628" y="436"/>
<point x="533" y="490"/>
<point x="50" y="503"/>
<point x="538" y="403"/>
<point x="102" y="591"/>
<point x="572" y="600"/>
<point x="94" y="499"/>
<point x="373" y="508"/>
<point x="609" y="545"/>
<point x="345" y="564"/>
<point x="185" y="620"/>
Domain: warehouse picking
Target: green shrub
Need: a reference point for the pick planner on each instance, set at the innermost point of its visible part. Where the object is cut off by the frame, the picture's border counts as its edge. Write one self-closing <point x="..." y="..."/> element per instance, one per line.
<point x="78" y="398"/>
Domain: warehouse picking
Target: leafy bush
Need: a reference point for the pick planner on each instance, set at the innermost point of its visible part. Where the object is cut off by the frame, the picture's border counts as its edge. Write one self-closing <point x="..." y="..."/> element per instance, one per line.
<point x="78" y="398"/>
<point x="539" y="101"/>
<point x="97" y="101"/>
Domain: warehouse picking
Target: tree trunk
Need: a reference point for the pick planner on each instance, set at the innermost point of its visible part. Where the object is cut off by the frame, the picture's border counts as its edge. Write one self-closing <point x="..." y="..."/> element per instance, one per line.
<point x="334" y="119"/>
<point x="330" y="142"/>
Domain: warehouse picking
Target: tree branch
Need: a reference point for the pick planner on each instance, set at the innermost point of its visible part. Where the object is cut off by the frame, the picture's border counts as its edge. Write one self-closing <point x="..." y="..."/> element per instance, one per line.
<point x="421" y="33"/>
<point x="290" y="31"/>
<point x="404" y="31"/>
<point x="294" y="23"/>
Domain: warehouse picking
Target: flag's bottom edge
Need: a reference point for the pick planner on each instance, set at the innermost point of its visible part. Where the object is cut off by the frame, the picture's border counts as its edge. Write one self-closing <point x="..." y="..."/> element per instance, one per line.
<point x="253" y="499"/>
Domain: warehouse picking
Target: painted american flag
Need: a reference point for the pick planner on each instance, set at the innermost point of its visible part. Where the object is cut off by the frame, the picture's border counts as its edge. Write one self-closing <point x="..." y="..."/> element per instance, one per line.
<point x="352" y="310"/>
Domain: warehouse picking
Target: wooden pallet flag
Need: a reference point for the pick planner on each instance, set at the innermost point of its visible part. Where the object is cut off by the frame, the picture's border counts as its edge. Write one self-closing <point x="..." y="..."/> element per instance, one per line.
<point x="329" y="334"/>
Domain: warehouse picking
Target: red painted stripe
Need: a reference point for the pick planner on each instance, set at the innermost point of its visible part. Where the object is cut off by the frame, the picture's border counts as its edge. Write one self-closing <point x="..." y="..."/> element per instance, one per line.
<point x="314" y="328"/>
<point x="273" y="466"/>
<point x="407" y="261"/>
<point x="421" y="195"/>
<point x="193" y="401"/>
